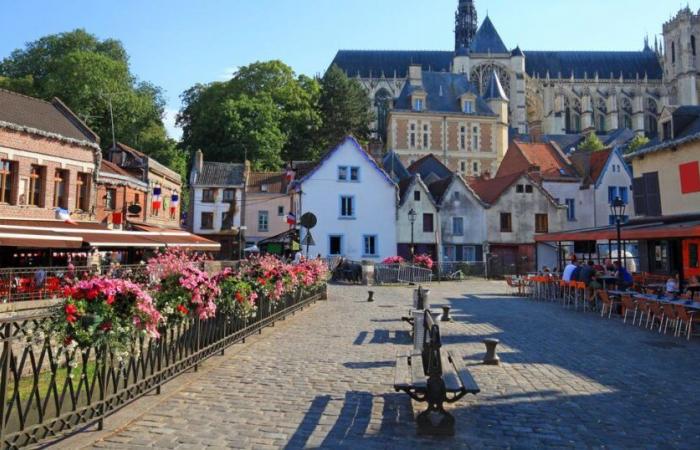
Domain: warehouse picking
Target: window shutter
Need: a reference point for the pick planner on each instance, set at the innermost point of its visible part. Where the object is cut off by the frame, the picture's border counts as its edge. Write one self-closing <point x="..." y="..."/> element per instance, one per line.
<point x="653" y="196"/>
<point x="639" y="195"/>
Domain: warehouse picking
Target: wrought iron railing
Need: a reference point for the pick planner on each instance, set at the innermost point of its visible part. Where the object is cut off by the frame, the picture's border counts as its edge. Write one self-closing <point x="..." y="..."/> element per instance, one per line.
<point x="44" y="283"/>
<point x="46" y="392"/>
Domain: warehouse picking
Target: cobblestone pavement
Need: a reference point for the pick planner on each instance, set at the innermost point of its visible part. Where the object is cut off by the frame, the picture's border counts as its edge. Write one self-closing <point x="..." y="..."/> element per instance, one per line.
<point x="324" y="379"/>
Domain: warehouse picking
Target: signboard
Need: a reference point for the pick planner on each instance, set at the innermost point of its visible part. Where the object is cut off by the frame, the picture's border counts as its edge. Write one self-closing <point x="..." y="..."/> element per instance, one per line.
<point x="308" y="239"/>
<point x="134" y="208"/>
<point x="308" y="220"/>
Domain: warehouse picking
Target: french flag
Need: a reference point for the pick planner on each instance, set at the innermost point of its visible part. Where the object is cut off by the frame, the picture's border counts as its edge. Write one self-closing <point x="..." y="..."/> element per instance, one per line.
<point x="174" y="201"/>
<point x="157" y="201"/>
<point x="64" y="215"/>
<point x="291" y="219"/>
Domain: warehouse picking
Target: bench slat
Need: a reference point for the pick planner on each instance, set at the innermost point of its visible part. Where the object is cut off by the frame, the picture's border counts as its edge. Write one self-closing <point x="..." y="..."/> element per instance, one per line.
<point x="456" y="363"/>
<point x="418" y="377"/>
<point x="402" y="372"/>
<point x="418" y="329"/>
<point x="453" y="383"/>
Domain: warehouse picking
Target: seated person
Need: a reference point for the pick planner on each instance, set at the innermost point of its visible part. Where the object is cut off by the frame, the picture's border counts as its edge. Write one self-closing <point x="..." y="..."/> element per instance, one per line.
<point x="671" y="286"/>
<point x="569" y="270"/>
<point x="624" y="278"/>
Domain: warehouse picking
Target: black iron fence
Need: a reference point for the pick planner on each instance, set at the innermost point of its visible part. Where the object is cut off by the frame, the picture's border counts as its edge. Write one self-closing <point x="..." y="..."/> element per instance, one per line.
<point x="47" y="390"/>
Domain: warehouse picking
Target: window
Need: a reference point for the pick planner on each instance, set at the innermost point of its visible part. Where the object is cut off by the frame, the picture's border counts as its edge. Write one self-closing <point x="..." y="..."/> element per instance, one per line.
<point x="225" y="221"/>
<point x="263" y="221"/>
<point x="426" y="137"/>
<point x="335" y="245"/>
<point x="8" y="170"/>
<point x="280" y="211"/>
<point x="475" y="168"/>
<point x="463" y="138"/>
<point x="528" y="189"/>
<point x="82" y="195"/>
<point x="541" y="223"/>
<point x="506" y="223"/>
<point x="207" y="221"/>
<point x="412" y="136"/>
<point x="418" y="104"/>
<point x="428" y="226"/>
<point x="111" y="199"/>
<point x="622" y="192"/>
<point x="347" y="206"/>
<point x="475" y="139"/>
<point x="571" y="209"/>
<point x="612" y="194"/>
<point x="342" y="173"/>
<point x="693" y="256"/>
<point x="463" y="166"/>
<point x="208" y="195"/>
<point x="520" y="189"/>
<point x="448" y="252"/>
<point x="673" y="52"/>
<point x="60" y="183"/>
<point x="468" y="107"/>
<point x="37" y="176"/>
<point x="692" y="44"/>
<point x="369" y="246"/>
<point x="458" y="226"/>
<point x="354" y="174"/>
<point x="229" y="195"/>
<point x="416" y="196"/>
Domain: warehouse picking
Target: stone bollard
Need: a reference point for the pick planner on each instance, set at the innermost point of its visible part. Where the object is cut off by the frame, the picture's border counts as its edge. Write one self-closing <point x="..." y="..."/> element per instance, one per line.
<point x="445" y="314"/>
<point x="371" y="296"/>
<point x="491" y="358"/>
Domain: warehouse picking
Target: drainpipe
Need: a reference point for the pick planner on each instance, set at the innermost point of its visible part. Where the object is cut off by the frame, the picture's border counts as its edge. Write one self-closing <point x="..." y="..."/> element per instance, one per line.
<point x="444" y="139"/>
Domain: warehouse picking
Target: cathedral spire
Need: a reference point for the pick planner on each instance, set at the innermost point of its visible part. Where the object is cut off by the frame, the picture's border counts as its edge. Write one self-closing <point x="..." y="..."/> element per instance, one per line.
<point x="465" y="25"/>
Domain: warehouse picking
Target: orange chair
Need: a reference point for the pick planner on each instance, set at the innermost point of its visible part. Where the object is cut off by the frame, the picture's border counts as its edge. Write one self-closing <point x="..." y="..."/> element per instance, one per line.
<point x="643" y="308"/>
<point x="685" y="317"/>
<point x="671" y="316"/>
<point x="607" y="304"/>
<point x="656" y="312"/>
<point x="628" y="304"/>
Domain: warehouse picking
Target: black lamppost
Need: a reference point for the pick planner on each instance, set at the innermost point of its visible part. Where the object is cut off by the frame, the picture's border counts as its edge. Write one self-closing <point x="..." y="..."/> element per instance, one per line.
<point x="617" y="209"/>
<point x="412" y="218"/>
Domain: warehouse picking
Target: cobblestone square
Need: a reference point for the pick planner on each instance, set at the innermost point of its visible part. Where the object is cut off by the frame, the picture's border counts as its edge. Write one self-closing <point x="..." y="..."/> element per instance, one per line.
<point x="323" y="379"/>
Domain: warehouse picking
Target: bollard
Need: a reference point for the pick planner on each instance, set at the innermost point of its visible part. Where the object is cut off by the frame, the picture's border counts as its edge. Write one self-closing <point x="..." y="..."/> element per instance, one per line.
<point x="445" y="314"/>
<point x="491" y="358"/>
<point x="371" y="296"/>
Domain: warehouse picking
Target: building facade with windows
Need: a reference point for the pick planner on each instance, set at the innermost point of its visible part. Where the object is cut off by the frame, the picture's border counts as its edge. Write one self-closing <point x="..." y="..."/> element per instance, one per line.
<point x="120" y="196"/>
<point x="162" y="203"/>
<point x="216" y="203"/>
<point x="268" y="205"/>
<point x="423" y="232"/>
<point x="444" y="115"/>
<point x="355" y="203"/>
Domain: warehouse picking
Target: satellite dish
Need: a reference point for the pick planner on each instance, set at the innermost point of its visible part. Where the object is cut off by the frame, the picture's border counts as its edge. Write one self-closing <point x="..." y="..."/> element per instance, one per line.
<point x="134" y="208"/>
<point x="308" y="220"/>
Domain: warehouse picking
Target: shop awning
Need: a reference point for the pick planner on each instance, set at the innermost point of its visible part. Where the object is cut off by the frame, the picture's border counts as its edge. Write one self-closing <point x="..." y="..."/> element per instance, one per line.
<point x="629" y="232"/>
<point x="18" y="237"/>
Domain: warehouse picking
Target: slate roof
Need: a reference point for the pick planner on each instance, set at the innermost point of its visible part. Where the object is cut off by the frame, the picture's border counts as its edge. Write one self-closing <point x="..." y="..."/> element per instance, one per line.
<point x="428" y="165"/>
<point x="607" y="64"/>
<point x="494" y="91"/>
<point x="438" y="188"/>
<point x="220" y="174"/>
<point x="49" y="117"/>
<point x="443" y="92"/>
<point x="391" y="163"/>
<point x="686" y="129"/>
<point x="487" y="39"/>
<point x="391" y="62"/>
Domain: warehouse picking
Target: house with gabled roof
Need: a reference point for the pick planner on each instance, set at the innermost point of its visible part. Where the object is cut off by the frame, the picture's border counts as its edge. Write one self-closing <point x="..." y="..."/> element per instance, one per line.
<point x="422" y="234"/>
<point x="519" y="209"/>
<point x="354" y="201"/>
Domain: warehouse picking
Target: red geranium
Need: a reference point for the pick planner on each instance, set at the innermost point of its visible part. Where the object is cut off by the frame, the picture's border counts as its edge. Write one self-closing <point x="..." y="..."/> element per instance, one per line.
<point x="183" y="309"/>
<point x="110" y="299"/>
<point x="92" y="294"/>
<point x="106" y="326"/>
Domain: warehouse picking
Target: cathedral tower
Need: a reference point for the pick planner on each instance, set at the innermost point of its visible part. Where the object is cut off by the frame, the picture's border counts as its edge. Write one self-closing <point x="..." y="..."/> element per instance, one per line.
<point x="681" y="64"/>
<point x="465" y="25"/>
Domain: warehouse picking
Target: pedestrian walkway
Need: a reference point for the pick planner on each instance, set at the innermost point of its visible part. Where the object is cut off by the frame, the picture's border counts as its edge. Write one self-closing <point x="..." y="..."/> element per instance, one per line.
<point x="323" y="378"/>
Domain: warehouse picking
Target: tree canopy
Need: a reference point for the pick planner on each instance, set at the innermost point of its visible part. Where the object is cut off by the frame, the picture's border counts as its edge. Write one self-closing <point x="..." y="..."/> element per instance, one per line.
<point x="86" y="73"/>
<point x="591" y="143"/>
<point x="638" y="142"/>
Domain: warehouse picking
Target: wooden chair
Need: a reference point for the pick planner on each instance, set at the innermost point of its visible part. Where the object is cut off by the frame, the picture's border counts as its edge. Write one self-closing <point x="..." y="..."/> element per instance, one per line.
<point x="579" y="288"/>
<point x="643" y="309"/>
<point x="671" y="316"/>
<point x="656" y="312"/>
<point x="685" y="317"/>
<point x="628" y="304"/>
<point x="607" y="304"/>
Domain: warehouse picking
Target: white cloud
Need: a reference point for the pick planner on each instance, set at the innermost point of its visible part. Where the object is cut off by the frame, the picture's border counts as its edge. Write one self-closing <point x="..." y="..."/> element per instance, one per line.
<point x="171" y="128"/>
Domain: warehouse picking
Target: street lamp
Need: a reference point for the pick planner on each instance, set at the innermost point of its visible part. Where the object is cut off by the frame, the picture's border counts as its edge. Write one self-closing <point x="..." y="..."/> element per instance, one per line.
<point x="241" y="229"/>
<point x="412" y="218"/>
<point x="617" y="210"/>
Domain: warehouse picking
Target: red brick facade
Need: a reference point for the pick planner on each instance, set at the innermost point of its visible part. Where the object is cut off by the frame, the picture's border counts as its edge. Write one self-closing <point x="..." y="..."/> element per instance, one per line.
<point x="123" y="197"/>
<point x="25" y="150"/>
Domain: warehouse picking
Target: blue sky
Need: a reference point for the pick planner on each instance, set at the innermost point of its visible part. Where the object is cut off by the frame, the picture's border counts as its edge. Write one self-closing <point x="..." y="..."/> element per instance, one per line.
<point x="178" y="43"/>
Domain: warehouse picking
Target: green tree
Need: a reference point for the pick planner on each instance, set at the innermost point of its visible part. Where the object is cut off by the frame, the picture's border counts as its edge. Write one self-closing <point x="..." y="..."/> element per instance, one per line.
<point x="87" y="74"/>
<point x="638" y="142"/>
<point x="591" y="143"/>
<point x="345" y="108"/>
<point x="264" y="113"/>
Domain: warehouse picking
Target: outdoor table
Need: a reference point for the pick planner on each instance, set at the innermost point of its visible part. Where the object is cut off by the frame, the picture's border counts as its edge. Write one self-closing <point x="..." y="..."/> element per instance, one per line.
<point x="669" y="300"/>
<point x="694" y="288"/>
<point x="656" y="286"/>
<point x="607" y="279"/>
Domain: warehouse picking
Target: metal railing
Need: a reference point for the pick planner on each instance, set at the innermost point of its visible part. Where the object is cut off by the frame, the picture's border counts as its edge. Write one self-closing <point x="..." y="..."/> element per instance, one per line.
<point x="401" y="273"/>
<point x="46" y="393"/>
<point x="44" y="283"/>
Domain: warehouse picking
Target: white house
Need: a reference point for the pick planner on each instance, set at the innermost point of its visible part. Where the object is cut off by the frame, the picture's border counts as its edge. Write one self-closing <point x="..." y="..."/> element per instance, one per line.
<point x="354" y="202"/>
<point x="423" y="232"/>
<point x="216" y="202"/>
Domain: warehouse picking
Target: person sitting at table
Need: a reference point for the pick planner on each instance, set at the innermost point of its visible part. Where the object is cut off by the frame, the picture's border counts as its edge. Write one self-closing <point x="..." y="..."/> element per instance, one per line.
<point x="624" y="278"/>
<point x="570" y="269"/>
<point x="671" y="287"/>
<point x="609" y="266"/>
<point x="587" y="276"/>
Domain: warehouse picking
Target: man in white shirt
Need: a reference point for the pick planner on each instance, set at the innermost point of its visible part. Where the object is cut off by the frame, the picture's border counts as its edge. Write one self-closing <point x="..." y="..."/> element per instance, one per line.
<point x="569" y="270"/>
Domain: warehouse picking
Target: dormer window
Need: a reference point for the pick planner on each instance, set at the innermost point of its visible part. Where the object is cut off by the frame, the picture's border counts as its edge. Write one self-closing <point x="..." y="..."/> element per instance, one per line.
<point x="418" y="104"/>
<point x="468" y="107"/>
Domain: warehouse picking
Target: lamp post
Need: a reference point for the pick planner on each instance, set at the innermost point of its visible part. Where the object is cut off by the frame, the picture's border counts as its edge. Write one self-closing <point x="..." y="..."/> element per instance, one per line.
<point x="617" y="210"/>
<point x="412" y="218"/>
<point x="241" y="229"/>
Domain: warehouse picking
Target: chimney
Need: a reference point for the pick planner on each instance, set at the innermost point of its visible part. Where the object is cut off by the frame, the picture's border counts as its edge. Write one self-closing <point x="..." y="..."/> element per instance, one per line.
<point x="415" y="75"/>
<point x="198" y="161"/>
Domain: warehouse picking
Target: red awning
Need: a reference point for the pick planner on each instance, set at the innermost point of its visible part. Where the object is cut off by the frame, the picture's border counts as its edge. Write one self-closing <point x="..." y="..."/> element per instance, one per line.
<point x="657" y="230"/>
<point x="19" y="237"/>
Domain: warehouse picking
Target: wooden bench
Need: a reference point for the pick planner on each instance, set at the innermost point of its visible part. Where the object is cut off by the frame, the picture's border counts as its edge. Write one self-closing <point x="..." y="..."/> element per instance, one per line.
<point x="434" y="376"/>
<point x="419" y="304"/>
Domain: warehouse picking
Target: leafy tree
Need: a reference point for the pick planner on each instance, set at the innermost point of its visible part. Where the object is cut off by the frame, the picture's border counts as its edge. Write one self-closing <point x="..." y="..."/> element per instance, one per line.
<point x="638" y="142"/>
<point x="264" y="113"/>
<point x="345" y="108"/>
<point x="87" y="74"/>
<point x="591" y="143"/>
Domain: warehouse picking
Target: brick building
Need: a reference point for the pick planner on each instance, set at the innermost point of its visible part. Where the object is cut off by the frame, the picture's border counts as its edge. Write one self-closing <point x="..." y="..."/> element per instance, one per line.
<point x="120" y="196"/>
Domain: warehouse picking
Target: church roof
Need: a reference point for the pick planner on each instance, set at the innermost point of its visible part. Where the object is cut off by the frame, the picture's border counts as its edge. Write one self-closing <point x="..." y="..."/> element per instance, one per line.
<point x="443" y="92"/>
<point x="394" y="167"/>
<point x="487" y="39"/>
<point x="389" y="62"/>
<point x="494" y="91"/>
<point x="608" y="65"/>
